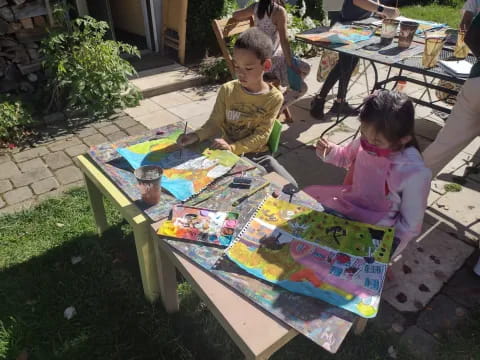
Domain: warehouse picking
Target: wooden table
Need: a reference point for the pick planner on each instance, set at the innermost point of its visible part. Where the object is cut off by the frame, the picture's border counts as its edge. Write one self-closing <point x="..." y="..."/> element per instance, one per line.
<point x="257" y="333"/>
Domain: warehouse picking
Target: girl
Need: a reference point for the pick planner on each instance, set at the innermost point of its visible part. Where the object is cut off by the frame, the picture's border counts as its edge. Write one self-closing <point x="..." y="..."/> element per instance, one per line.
<point x="271" y="17"/>
<point x="387" y="182"/>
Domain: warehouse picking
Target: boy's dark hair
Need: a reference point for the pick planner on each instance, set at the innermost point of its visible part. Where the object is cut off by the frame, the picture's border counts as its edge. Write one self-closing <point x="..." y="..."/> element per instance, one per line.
<point x="392" y="114"/>
<point x="257" y="41"/>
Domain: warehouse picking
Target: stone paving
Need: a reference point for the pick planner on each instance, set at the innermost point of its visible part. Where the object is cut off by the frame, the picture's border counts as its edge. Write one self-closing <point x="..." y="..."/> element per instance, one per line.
<point x="432" y="287"/>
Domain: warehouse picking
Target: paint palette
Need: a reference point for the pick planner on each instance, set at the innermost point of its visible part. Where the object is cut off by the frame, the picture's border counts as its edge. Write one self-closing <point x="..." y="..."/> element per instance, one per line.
<point x="203" y="225"/>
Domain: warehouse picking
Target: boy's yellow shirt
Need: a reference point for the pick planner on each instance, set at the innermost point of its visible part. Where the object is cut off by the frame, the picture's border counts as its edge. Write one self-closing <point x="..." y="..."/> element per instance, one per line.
<point x="243" y="119"/>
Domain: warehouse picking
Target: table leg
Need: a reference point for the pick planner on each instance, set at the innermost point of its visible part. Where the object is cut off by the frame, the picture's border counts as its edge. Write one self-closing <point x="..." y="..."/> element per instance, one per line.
<point x="360" y="325"/>
<point x="167" y="278"/>
<point x="146" y="259"/>
<point x="96" y="202"/>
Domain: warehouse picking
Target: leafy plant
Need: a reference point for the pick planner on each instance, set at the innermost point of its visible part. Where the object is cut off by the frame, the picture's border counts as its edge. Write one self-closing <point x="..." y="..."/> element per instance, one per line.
<point x="85" y="72"/>
<point x="297" y="23"/>
<point x="14" y="118"/>
<point x="215" y="70"/>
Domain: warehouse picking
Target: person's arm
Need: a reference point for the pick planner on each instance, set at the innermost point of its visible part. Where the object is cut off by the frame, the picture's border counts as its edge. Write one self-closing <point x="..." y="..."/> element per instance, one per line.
<point x="214" y="125"/>
<point x="372" y="6"/>
<point x="466" y="20"/>
<point x="472" y="36"/>
<point x="280" y="21"/>
<point x="412" y="208"/>
<point x="262" y="131"/>
<point x="243" y="14"/>
<point x="342" y="156"/>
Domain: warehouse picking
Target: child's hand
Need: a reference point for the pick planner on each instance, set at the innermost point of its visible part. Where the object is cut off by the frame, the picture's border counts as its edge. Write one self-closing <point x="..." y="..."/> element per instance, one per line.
<point x="187" y="139"/>
<point x="322" y="148"/>
<point x="221" y="144"/>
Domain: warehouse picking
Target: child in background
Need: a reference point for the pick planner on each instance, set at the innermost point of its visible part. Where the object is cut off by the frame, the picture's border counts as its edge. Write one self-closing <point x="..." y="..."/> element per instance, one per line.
<point x="271" y="17"/>
<point x="245" y="110"/>
<point x="387" y="182"/>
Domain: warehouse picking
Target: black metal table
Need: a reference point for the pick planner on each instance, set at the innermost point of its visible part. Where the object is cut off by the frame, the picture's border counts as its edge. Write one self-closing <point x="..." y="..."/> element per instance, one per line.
<point x="395" y="58"/>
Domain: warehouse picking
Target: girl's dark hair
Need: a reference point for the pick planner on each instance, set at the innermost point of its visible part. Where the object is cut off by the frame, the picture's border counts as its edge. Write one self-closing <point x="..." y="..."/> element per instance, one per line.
<point x="266" y="6"/>
<point x="391" y="114"/>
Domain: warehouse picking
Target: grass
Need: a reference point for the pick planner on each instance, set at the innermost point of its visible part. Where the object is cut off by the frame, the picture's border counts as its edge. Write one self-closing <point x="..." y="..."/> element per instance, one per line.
<point x="38" y="282"/>
<point x="450" y="15"/>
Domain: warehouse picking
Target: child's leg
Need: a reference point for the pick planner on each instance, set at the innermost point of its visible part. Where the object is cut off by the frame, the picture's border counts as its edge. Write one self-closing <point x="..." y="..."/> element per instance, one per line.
<point x="290" y="96"/>
<point x="270" y="164"/>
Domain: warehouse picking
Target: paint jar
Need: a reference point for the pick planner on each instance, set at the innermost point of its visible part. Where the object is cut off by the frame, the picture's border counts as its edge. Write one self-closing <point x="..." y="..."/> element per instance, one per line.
<point x="401" y="84"/>
<point x="407" y="31"/>
<point x="433" y="47"/>
<point x="461" y="49"/>
<point x="149" y="178"/>
<point x="451" y="36"/>
<point x="389" y="30"/>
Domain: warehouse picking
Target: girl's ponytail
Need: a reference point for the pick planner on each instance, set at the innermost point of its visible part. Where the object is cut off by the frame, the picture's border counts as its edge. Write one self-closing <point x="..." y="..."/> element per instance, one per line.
<point x="267" y="6"/>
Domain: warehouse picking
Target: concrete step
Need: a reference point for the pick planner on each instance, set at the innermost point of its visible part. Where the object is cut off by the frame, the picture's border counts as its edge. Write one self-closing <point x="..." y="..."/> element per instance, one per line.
<point x="166" y="79"/>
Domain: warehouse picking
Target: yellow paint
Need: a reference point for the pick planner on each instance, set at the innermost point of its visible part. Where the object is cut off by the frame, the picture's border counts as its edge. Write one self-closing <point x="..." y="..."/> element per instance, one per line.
<point x="366" y="310"/>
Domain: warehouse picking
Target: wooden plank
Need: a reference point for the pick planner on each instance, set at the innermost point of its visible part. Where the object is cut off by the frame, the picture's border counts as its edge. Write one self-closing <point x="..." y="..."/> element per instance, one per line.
<point x="256" y="333"/>
<point x="31" y="9"/>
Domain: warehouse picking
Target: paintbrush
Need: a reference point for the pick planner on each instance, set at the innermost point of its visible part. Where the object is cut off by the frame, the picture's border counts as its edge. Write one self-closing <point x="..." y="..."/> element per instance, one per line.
<point x="241" y="171"/>
<point x="238" y="200"/>
<point x="184" y="133"/>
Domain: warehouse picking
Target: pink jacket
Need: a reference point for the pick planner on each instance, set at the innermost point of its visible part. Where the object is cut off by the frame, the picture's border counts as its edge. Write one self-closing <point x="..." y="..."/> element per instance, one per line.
<point x="408" y="182"/>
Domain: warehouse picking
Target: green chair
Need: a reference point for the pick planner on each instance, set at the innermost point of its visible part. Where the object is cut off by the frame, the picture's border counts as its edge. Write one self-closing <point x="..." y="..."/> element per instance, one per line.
<point x="274" y="139"/>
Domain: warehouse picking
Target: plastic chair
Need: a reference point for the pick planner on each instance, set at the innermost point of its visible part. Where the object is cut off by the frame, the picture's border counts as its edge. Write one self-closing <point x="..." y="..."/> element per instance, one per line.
<point x="275" y="135"/>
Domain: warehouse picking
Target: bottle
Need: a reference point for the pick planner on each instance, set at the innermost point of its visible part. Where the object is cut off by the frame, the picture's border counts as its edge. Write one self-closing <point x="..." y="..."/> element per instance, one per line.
<point x="401" y="85"/>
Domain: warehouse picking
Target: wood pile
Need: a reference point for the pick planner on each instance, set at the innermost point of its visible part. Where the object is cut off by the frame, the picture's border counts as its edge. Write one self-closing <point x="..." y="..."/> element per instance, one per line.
<point x="22" y="26"/>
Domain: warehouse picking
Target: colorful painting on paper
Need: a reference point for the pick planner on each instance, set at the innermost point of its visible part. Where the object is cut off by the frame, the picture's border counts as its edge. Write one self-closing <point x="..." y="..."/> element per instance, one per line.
<point x="185" y="172"/>
<point x="313" y="253"/>
<point x="340" y="34"/>
<point x="197" y="224"/>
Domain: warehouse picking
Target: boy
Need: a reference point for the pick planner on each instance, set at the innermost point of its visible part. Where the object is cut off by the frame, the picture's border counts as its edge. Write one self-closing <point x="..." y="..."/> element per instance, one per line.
<point x="243" y="116"/>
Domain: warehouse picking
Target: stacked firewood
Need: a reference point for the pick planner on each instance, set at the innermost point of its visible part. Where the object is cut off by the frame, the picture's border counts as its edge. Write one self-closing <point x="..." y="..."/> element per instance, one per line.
<point x="23" y="24"/>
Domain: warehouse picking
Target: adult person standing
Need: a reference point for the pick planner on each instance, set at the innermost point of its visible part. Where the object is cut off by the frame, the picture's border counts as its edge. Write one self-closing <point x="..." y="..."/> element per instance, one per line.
<point x="352" y="10"/>
<point x="463" y="124"/>
<point x="470" y="10"/>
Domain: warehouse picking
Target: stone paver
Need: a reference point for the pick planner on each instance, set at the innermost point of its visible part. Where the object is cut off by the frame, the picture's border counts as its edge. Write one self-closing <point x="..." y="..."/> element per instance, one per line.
<point x="194" y="108"/>
<point x="68" y="175"/>
<point x="30" y="154"/>
<point x="9" y="169"/>
<point x="171" y="99"/>
<point x="31" y="165"/>
<point x="423" y="267"/>
<point x="63" y="144"/>
<point x="94" y="139"/>
<point x="30" y="176"/>
<point x="125" y="122"/>
<point x="136" y="130"/>
<point x="2" y="203"/>
<point x="197" y="121"/>
<point x="5" y="186"/>
<point x="4" y="158"/>
<point x="441" y="316"/>
<point x="86" y="131"/>
<point x="24" y="205"/>
<point x="45" y="185"/>
<point x="420" y="343"/>
<point x="109" y="129"/>
<point x="57" y="160"/>
<point x="146" y="107"/>
<point x="18" y="195"/>
<point x="116" y="136"/>
<point x="76" y="150"/>
<point x="157" y="119"/>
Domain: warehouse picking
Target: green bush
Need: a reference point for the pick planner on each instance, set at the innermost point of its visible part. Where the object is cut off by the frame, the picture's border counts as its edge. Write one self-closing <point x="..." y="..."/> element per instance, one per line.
<point x="215" y="70"/>
<point x="200" y="36"/>
<point x="85" y="72"/>
<point x="14" y="118"/>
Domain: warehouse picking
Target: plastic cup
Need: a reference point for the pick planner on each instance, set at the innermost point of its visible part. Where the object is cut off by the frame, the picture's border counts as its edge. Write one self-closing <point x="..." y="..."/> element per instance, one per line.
<point x="433" y="47"/>
<point x="407" y="31"/>
<point x="389" y="29"/>
<point x="461" y="49"/>
<point x="149" y="178"/>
